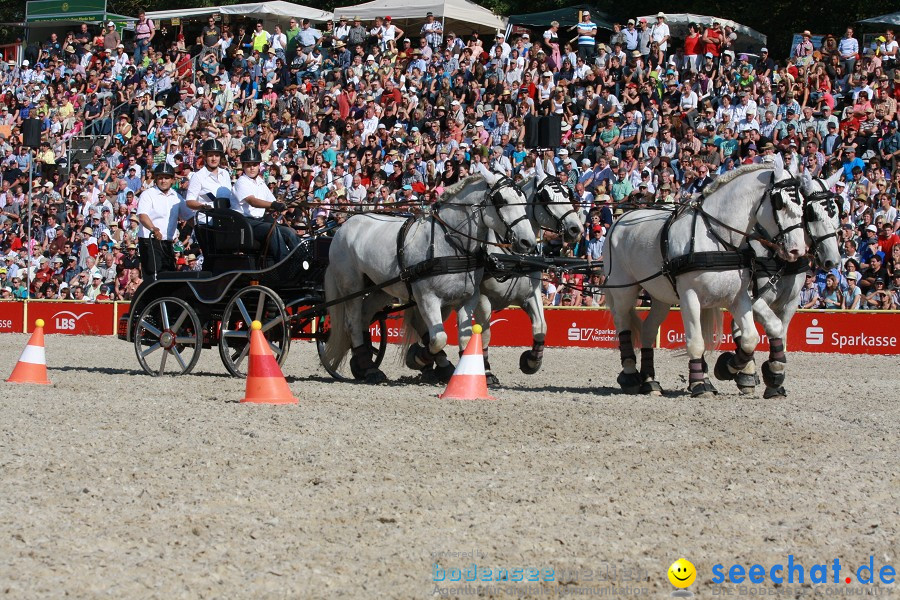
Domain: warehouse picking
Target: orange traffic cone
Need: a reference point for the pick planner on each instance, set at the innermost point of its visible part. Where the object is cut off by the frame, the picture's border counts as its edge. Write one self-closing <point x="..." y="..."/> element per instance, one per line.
<point x="265" y="381"/>
<point x="32" y="365"/>
<point x="468" y="381"/>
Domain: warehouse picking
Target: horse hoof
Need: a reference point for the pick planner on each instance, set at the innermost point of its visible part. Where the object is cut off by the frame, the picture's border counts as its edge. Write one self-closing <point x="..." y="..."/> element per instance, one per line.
<point x="375" y="376"/>
<point x="492" y="381"/>
<point x="746" y="382"/>
<point x="629" y="382"/>
<point x="527" y="364"/>
<point x="651" y="387"/>
<point x="411" y="361"/>
<point x="721" y="370"/>
<point x="702" y="389"/>
<point x="774" y="392"/>
<point x="746" y="391"/>
<point x="443" y="374"/>
<point x="358" y="373"/>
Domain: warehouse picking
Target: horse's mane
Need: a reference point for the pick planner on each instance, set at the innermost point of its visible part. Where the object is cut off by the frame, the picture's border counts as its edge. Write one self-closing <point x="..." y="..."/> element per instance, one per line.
<point x="457" y="187"/>
<point x="732" y="175"/>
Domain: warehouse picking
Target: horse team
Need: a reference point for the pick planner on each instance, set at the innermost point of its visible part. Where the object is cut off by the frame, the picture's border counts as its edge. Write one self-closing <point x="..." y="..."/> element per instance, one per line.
<point x="742" y="246"/>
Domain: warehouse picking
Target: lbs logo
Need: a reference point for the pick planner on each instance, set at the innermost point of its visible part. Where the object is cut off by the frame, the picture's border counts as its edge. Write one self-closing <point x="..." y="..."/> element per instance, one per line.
<point x="66" y="320"/>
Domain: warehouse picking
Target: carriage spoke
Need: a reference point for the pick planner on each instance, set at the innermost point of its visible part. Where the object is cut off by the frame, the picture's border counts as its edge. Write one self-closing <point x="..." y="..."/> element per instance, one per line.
<point x="240" y="357"/>
<point x="244" y="313"/>
<point x="236" y="334"/>
<point x="179" y="359"/>
<point x="151" y="350"/>
<point x="149" y="327"/>
<point x="164" y="313"/>
<point x="260" y="306"/>
<point x="186" y="341"/>
<point x="275" y="349"/>
<point x="270" y="324"/>
<point x="179" y="320"/>
<point x="162" y="363"/>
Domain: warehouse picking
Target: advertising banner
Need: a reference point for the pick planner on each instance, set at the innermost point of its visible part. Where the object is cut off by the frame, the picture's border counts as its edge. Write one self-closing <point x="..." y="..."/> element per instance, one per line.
<point x="74" y="318"/>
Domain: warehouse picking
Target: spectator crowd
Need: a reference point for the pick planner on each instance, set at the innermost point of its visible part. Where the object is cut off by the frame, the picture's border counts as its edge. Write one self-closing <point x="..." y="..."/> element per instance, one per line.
<point x="354" y="116"/>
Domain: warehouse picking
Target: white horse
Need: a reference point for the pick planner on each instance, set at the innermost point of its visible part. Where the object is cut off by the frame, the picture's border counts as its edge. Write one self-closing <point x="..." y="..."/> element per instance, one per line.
<point x="778" y="283"/>
<point x="395" y="253"/>
<point x="550" y="206"/>
<point x="698" y="258"/>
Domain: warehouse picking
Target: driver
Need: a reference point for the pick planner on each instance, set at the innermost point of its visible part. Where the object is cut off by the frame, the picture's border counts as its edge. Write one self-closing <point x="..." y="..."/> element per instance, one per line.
<point x="210" y="181"/>
<point x="159" y="209"/>
<point x="252" y="198"/>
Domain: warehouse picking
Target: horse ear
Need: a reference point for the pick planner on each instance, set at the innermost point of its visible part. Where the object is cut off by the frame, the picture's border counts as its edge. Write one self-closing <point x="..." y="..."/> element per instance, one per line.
<point x="835" y="177"/>
<point x="491" y="178"/>
<point x="539" y="168"/>
<point x="806" y="179"/>
<point x="779" y="167"/>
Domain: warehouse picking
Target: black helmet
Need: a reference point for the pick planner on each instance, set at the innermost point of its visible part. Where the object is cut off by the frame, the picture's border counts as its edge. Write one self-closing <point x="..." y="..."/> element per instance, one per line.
<point x="251" y="155"/>
<point x="213" y="146"/>
<point x="164" y="168"/>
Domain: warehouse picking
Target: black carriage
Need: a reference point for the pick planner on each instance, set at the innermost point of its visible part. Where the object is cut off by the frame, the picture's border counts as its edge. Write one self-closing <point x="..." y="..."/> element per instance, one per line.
<point x="172" y="318"/>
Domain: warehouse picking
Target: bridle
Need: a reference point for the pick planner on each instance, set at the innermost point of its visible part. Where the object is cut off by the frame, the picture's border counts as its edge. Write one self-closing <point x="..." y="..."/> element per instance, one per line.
<point x="780" y="193"/>
<point x="499" y="202"/>
<point x="549" y="185"/>
<point x="829" y="204"/>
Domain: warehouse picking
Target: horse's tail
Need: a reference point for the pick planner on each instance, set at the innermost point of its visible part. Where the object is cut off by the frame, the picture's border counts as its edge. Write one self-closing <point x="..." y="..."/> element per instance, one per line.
<point x="410" y="333"/>
<point x="339" y="342"/>
<point x="711" y="324"/>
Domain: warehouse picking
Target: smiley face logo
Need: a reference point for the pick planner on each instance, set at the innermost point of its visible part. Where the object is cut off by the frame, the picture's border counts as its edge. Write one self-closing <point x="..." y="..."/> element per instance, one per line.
<point x="682" y="573"/>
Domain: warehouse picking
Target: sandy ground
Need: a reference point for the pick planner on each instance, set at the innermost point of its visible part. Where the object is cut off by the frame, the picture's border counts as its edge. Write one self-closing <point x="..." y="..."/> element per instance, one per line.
<point x="115" y="484"/>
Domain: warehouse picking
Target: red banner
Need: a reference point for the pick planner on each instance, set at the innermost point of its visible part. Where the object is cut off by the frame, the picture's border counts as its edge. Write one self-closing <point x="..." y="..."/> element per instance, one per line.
<point x="12" y="317"/>
<point x="848" y="332"/>
<point x="74" y="318"/>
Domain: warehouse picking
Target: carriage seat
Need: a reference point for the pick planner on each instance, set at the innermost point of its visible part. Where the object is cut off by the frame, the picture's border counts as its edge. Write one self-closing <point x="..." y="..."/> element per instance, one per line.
<point x="225" y="231"/>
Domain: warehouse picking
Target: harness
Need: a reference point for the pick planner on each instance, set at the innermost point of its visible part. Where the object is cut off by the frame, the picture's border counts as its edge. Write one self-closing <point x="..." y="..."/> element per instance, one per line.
<point x="735" y="256"/>
<point x="551" y="183"/>
<point x="464" y="260"/>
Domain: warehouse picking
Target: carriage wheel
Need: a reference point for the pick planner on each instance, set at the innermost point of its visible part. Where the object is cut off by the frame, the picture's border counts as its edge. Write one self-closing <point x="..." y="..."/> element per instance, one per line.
<point x="168" y="337"/>
<point x="323" y="324"/>
<point x="253" y="303"/>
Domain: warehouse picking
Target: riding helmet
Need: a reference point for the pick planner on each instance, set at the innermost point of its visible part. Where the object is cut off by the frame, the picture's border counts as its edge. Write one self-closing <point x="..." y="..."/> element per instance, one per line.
<point x="164" y="168"/>
<point x="251" y="155"/>
<point x="210" y="146"/>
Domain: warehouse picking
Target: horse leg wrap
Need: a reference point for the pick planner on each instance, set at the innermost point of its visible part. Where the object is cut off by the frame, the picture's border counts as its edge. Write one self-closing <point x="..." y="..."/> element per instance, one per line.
<point x="363" y="356"/>
<point x="487" y="363"/>
<point x="537" y="349"/>
<point x="695" y="370"/>
<point x="647" y="368"/>
<point x="626" y="347"/>
<point x="776" y="350"/>
<point x="424" y="357"/>
<point x="773" y="373"/>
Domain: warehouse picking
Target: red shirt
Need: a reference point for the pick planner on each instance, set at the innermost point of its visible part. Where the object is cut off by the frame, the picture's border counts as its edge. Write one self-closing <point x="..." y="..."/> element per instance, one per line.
<point x="713" y="48"/>
<point x="692" y="45"/>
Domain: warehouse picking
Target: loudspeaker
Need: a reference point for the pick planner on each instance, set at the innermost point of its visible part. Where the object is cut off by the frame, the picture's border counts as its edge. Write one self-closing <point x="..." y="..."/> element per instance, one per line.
<point x="549" y="133"/>
<point x="531" y="131"/>
<point x="31" y="133"/>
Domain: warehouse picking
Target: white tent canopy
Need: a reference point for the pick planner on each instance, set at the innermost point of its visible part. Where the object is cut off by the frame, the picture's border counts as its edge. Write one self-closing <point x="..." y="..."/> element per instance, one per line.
<point x="459" y="16"/>
<point x="276" y="10"/>
<point x="749" y="39"/>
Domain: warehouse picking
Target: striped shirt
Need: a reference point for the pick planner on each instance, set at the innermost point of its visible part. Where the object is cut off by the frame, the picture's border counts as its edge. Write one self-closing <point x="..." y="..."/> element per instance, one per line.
<point x="584" y="33"/>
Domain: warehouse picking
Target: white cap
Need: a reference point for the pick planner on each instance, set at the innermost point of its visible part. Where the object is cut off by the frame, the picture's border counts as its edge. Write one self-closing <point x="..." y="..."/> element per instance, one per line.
<point x="563" y="152"/>
<point x="110" y="24"/>
<point x="370" y="57"/>
<point x="25" y="63"/>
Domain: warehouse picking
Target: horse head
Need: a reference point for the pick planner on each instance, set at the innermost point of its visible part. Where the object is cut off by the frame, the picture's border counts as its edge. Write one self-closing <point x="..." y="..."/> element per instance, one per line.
<point x="821" y="216"/>
<point x="553" y="204"/>
<point x="505" y="212"/>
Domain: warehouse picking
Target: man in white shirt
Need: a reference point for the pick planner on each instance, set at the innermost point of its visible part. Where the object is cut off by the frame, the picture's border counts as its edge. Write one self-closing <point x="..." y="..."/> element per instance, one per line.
<point x="252" y="198"/>
<point x="159" y="209"/>
<point x="210" y="179"/>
